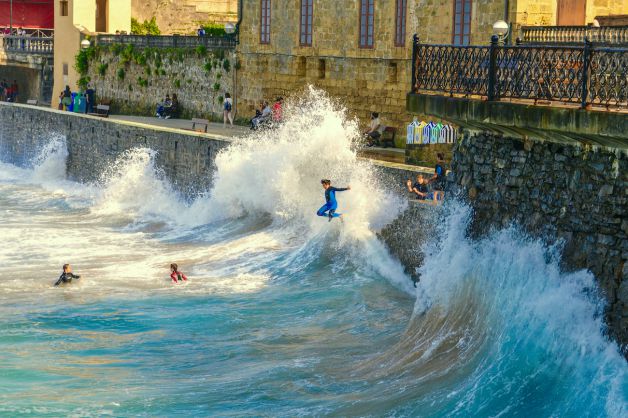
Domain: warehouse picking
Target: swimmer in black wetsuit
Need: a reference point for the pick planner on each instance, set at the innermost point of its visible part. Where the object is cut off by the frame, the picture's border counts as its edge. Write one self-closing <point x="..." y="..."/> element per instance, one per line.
<point x="67" y="275"/>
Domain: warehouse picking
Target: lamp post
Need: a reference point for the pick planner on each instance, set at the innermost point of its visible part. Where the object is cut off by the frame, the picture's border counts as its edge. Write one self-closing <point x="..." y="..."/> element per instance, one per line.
<point x="501" y="29"/>
<point x="85" y="44"/>
<point x="230" y="29"/>
<point x="11" y="17"/>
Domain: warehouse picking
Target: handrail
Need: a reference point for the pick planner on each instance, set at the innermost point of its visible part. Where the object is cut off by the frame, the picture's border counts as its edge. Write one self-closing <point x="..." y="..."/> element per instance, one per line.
<point x="611" y="35"/>
<point x="585" y="74"/>
<point x="28" y="44"/>
<point x="168" y="41"/>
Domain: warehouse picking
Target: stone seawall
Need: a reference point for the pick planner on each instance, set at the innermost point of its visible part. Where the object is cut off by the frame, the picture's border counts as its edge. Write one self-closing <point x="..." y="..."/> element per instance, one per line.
<point x="574" y="193"/>
<point x="187" y="160"/>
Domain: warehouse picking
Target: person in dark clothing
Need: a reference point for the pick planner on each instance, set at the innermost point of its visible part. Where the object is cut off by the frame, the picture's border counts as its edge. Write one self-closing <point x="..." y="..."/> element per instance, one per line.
<point x="90" y="93"/>
<point x="67" y="276"/>
<point x="438" y="179"/>
<point x="330" y="206"/>
<point x="419" y="188"/>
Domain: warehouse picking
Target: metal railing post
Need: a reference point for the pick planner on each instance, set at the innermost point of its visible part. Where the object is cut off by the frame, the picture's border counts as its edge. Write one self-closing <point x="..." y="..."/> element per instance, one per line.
<point x="492" y="68"/>
<point x="415" y="41"/>
<point x="586" y="57"/>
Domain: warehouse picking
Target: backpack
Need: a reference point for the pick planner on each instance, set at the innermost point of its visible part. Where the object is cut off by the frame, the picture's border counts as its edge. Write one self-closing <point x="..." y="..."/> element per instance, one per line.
<point x="228" y="106"/>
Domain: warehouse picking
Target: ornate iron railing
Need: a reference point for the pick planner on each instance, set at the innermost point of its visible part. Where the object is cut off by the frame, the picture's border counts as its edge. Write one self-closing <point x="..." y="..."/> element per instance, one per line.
<point x="546" y="35"/>
<point x="584" y="74"/>
<point x="28" y="44"/>
<point x="170" y="41"/>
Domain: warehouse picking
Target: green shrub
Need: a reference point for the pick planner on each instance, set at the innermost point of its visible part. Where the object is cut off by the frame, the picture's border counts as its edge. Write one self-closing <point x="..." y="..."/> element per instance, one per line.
<point x="148" y="27"/>
<point x="218" y="76"/>
<point x="201" y="50"/>
<point x="147" y="70"/>
<point x="177" y="83"/>
<point x="81" y="62"/>
<point x="208" y="66"/>
<point x="116" y="49"/>
<point x="221" y="99"/>
<point x="121" y="73"/>
<point x="130" y="87"/>
<point x="102" y="69"/>
<point x="226" y="65"/>
<point x="238" y="65"/>
<point x="140" y="59"/>
<point x="83" y="81"/>
<point x="162" y="72"/>
<point x="220" y="54"/>
<point x="216" y="86"/>
<point x="142" y="82"/>
<point x="214" y="29"/>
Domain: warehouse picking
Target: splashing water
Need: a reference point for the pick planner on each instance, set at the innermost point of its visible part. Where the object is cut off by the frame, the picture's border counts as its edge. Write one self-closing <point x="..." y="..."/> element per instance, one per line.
<point x="283" y="312"/>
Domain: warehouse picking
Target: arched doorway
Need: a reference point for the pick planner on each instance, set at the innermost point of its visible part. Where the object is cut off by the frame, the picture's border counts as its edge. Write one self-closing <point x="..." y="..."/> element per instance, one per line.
<point x="101" y="15"/>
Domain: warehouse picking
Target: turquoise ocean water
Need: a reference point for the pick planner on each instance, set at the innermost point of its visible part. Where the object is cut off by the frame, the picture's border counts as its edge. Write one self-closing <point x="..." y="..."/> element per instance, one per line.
<point x="284" y="313"/>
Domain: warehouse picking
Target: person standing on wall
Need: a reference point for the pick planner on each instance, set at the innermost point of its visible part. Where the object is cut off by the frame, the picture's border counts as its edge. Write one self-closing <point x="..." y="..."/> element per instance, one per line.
<point x="226" y="112"/>
<point x="90" y="94"/>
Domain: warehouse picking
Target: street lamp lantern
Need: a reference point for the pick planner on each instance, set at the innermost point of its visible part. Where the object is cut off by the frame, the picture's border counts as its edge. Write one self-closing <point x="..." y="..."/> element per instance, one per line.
<point x="229" y="28"/>
<point x="501" y="29"/>
<point x="85" y="44"/>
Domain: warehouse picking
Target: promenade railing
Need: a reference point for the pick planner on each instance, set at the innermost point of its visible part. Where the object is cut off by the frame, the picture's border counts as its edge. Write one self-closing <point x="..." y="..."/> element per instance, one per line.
<point x="561" y="35"/>
<point x="36" y="45"/>
<point x="168" y="41"/>
<point x="584" y="75"/>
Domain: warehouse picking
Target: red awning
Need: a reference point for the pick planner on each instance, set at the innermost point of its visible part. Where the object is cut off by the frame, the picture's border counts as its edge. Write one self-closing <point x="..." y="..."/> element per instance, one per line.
<point x="38" y="14"/>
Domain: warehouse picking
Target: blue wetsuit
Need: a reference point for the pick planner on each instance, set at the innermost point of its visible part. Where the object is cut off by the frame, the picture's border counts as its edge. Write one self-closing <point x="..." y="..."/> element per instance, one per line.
<point x="329" y="208"/>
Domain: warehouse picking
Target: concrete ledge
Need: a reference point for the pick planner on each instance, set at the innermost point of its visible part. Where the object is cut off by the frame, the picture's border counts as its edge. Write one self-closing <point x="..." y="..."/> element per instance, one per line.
<point x="551" y="123"/>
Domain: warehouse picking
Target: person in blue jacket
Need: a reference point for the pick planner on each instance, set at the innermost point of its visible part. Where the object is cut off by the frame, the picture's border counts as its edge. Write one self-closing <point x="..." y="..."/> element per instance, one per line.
<point x="330" y="206"/>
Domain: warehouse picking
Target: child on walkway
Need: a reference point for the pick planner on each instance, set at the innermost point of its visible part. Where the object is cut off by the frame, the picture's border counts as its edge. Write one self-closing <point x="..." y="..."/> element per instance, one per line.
<point x="67" y="275"/>
<point x="176" y="275"/>
<point x="226" y="113"/>
<point x="330" y="206"/>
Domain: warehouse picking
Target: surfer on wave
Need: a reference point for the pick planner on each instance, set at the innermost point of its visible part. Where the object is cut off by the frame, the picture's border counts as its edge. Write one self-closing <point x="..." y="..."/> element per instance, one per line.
<point x="330" y="206"/>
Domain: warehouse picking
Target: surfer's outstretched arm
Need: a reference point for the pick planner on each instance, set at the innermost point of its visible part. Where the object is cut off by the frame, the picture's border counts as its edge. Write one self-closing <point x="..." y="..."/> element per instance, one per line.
<point x="342" y="189"/>
<point x="59" y="281"/>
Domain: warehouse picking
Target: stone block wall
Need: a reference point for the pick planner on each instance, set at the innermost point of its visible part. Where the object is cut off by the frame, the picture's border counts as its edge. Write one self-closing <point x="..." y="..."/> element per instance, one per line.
<point x="187" y="160"/>
<point x="575" y="193"/>
<point x="162" y="72"/>
<point x="184" y="16"/>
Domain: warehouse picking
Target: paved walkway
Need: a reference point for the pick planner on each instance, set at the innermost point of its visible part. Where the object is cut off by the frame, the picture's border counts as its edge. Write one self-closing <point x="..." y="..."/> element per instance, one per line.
<point x="185" y="125"/>
<point x="386" y="157"/>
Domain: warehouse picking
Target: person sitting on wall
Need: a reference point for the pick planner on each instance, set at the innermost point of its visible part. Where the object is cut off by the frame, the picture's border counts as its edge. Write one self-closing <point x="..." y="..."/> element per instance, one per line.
<point x="201" y="31"/>
<point x="374" y="132"/>
<point x="278" y="110"/>
<point x="162" y="108"/>
<point x="438" y="179"/>
<point x="265" y="118"/>
<point x="419" y="188"/>
<point x="258" y="114"/>
<point x="172" y="111"/>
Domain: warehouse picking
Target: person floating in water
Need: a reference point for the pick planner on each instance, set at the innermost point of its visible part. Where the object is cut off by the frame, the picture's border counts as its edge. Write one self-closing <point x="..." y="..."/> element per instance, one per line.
<point x="67" y="276"/>
<point x="176" y="275"/>
<point x="329" y="208"/>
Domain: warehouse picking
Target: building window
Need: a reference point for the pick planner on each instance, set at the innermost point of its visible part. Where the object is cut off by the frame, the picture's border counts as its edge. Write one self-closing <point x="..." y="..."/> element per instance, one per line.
<point x="367" y="10"/>
<point x="264" y="37"/>
<point x="400" y="19"/>
<point x="462" y="22"/>
<point x="306" y="22"/>
<point x="63" y="7"/>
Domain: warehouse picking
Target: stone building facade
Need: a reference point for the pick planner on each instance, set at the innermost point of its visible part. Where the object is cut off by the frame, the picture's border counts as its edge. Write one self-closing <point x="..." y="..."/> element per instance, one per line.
<point x="183" y="16"/>
<point x="377" y="77"/>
